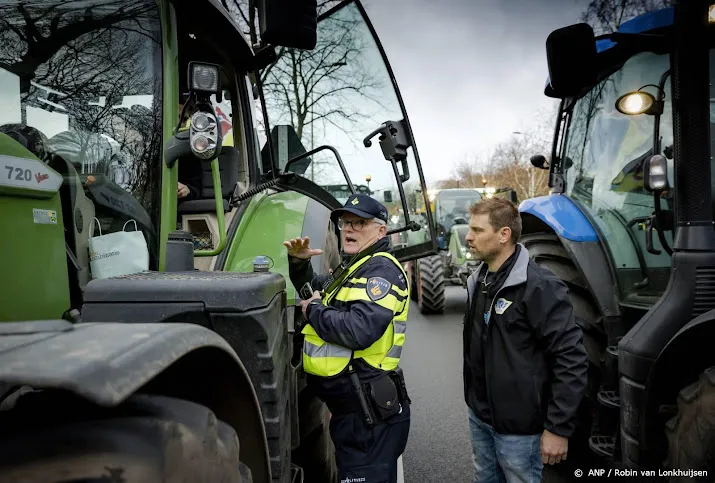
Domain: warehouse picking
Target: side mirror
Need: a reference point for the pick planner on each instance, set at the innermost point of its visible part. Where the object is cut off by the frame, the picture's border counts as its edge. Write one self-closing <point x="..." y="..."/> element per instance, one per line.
<point x="288" y="23"/>
<point x="655" y="173"/>
<point x="571" y="57"/>
<point x="538" y="161"/>
<point x="387" y="196"/>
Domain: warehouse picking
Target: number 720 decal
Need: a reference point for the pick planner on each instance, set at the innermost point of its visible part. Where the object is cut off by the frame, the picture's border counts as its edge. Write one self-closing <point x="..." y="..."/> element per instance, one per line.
<point x="28" y="174"/>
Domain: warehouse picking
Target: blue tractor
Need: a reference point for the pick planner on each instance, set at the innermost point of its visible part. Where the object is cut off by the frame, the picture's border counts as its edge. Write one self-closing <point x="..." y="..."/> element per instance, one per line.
<point x="629" y="227"/>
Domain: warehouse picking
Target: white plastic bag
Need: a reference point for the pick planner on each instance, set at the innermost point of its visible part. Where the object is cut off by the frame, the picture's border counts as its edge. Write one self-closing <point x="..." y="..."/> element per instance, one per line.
<point x="119" y="253"/>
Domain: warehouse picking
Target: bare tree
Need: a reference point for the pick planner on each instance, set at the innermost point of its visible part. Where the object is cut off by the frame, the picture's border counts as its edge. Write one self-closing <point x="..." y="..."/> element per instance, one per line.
<point x="606" y="16"/>
<point x="508" y="165"/>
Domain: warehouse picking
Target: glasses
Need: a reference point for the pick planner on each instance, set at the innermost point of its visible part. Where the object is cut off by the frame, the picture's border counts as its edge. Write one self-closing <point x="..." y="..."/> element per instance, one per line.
<point x="358" y="224"/>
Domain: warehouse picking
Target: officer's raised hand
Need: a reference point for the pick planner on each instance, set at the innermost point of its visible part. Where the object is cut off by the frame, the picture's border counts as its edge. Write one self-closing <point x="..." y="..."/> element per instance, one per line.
<point x="300" y="248"/>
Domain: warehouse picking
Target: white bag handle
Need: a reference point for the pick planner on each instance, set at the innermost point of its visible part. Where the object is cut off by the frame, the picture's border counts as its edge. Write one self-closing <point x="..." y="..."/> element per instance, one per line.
<point x="91" y="226"/>
<point x="135" y="225"/>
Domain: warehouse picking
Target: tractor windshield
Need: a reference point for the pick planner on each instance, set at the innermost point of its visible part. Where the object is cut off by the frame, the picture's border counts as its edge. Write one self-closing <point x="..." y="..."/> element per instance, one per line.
<point x="451" y="205"/>
<point x="80" y="84"/>
<point x="341" y="192"/>
<point x="603" y="161"/>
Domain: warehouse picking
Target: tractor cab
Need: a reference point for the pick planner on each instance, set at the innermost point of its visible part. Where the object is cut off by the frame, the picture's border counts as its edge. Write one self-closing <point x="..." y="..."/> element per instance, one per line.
<point x="628" y="226"/>
<point x="451" y="208"/>
<point x="154" y="155"/>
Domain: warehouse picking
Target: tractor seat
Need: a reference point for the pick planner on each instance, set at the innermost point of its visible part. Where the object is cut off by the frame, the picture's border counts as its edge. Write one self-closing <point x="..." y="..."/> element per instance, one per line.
<point x="228" y="164"/>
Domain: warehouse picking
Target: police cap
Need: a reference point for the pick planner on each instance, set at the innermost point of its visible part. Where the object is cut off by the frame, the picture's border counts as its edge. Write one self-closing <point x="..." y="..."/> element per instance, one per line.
<point x="362" y="206"/>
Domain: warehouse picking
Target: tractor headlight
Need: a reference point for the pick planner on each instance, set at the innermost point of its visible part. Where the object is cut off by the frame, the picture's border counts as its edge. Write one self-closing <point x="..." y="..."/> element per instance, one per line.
<point x="639" y="102"/>
<point x="203" y="135"/>
<point x="201" y="122"/>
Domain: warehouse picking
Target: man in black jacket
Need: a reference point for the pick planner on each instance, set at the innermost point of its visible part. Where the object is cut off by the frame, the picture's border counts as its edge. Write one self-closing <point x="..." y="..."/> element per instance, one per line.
<point x="524" y="361"/>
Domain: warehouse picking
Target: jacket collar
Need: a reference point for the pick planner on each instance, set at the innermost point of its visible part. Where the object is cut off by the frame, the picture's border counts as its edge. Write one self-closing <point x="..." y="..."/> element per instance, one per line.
<point x="517" y="274"/>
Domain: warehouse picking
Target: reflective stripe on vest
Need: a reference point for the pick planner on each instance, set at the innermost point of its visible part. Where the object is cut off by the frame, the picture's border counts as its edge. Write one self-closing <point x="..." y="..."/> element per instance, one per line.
<point x="324" y="359"/>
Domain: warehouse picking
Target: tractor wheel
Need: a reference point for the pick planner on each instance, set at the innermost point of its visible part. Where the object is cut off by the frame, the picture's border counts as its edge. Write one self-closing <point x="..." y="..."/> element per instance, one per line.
<point x="547" y="251"/>
<point x="51" y="439"/>
<point x="691" y="432"/>
<point x="431" y="285"/>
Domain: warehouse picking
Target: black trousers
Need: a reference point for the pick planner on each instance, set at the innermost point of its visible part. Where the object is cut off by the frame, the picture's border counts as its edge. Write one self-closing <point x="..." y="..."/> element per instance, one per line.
<point x="367" y="454"/>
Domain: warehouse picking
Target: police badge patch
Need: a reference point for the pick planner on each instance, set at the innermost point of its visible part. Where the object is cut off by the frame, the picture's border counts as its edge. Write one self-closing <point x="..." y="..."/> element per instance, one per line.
<point x="501" y="305"/>
<point x="377" y="288"/>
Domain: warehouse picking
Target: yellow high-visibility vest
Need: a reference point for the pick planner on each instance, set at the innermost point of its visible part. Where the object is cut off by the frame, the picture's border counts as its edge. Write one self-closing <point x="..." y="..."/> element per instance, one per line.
<point x="324" y="359"/>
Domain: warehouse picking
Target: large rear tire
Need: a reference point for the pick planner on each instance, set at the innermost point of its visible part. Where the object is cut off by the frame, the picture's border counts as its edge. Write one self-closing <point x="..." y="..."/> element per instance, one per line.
<point x="430" y="298"/>
<point x="50" y="439"/>
<point x="691" y="432"/>
<point x="546" y="250"/>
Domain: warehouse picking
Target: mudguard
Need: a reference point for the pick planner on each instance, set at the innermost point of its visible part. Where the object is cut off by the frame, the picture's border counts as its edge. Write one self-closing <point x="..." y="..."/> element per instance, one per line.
<point x="563" y="216"/>
<point x="102" y="362"/>
<point x="560" y="215"/>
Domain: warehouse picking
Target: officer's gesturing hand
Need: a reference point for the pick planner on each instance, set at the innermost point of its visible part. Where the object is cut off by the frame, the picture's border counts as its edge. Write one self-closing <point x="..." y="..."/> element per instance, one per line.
<point x="300" y="248"/>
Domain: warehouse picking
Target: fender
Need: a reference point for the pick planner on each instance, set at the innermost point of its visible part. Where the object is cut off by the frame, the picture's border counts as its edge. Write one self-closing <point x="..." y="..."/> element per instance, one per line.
<point x="563" y="216"/>
<point x="679" y="364"/>
<point x="107" y="362"/>
<point x="576" y="232"/>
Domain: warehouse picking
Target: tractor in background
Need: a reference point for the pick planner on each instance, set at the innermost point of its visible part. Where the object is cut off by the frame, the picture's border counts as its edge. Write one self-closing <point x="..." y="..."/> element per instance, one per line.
<point x="453" y="263"/>
<point x="191" y="369"/>
<point x="628" y="226"/>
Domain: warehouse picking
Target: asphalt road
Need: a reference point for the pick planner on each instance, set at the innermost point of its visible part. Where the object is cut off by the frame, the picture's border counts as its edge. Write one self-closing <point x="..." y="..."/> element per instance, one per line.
<point x="438" y="449"/>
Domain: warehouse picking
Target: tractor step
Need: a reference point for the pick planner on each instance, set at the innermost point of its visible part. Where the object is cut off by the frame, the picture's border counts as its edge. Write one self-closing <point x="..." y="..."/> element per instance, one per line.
<point x="609" y="399"/>
<point x="602" y="445"/>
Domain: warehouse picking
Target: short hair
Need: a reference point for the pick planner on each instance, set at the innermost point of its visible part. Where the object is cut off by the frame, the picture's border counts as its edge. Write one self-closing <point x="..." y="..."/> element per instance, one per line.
<point x="502" y="213"/>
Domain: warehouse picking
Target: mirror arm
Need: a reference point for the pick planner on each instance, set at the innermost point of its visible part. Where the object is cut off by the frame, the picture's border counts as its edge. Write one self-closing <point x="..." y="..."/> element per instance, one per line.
<point x="403" y="198"/>
<point x="321" y="148"/>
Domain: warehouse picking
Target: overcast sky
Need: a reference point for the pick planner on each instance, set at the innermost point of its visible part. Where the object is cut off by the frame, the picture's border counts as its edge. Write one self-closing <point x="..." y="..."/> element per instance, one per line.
<point x="470" y="71"/>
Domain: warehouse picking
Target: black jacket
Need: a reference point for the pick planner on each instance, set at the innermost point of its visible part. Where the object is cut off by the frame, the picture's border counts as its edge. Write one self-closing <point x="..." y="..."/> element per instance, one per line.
<point x="525" y="370"/>
<point x="355" y="325"/>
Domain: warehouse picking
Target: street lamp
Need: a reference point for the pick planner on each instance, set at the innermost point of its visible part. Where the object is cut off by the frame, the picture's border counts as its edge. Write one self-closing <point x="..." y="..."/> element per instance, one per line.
<point x="368" y="178"/>
<point x="484" y="181"/>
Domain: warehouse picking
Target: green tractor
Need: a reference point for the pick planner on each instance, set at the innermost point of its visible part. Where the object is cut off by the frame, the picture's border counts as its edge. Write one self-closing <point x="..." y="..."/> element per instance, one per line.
<point x="453" y="263"/>
<point x="147" y="336"/>
<point x="629" y="228"/>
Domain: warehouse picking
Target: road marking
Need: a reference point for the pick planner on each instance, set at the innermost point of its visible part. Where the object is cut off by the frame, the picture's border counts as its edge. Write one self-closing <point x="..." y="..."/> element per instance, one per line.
<point x="400" y="471"/>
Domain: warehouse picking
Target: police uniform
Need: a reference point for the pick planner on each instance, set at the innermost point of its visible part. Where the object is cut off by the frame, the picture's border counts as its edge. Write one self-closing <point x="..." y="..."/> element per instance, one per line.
<point x="353" y="341"/>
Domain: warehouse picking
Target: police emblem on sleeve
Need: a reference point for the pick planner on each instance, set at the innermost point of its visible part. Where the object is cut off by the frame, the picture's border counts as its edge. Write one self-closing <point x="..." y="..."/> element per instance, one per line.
<point x="377" y="288"/>
<point x="501" y="305"/>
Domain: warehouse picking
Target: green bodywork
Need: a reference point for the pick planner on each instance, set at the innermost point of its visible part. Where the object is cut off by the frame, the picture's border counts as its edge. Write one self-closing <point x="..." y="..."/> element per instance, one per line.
<point x="456" y="249"/>
<point x="35" y="266"/>
<point x="268" y="221"/>
<point x="170" y="80"/>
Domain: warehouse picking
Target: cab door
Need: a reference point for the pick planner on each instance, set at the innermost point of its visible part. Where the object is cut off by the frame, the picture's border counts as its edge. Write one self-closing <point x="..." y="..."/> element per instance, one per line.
<point x="343" y="94"/>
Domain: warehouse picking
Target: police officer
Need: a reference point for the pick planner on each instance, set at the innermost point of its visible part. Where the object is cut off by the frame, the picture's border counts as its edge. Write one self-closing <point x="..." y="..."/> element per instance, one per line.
<point x="354" y="334"/>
